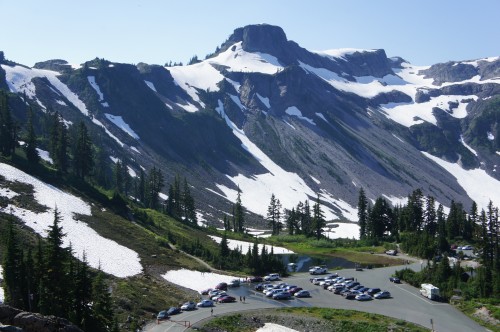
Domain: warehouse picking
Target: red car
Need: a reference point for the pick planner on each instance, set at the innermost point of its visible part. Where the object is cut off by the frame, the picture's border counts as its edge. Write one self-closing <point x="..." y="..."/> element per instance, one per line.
<point x="221" y="286"/>
<point x="226" y="299"/>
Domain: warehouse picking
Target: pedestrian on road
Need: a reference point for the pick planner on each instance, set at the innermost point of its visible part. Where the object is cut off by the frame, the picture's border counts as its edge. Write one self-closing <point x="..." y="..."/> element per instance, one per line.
<point x="243" y="299"/>
<point x="240" y="298"/>
<point x="211" y="311"/>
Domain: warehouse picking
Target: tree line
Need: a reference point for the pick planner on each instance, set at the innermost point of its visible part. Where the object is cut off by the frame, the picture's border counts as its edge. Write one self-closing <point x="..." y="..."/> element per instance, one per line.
<point x="428" y="232"/>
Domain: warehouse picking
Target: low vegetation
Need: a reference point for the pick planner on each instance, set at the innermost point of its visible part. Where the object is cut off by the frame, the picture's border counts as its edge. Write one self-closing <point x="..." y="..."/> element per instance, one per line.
<point x="309" y="319"/>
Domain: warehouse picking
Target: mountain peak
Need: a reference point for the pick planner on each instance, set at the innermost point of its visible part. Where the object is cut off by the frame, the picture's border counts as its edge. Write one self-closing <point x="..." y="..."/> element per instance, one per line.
<point x="264" y="38"/>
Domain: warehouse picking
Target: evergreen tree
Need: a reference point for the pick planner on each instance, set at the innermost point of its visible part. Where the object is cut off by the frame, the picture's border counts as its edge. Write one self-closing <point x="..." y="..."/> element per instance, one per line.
<point x="30" y="146"/>
<point x="8" y="134"/>
<point x="188" y="204"/>
<point x="318" y="221"/>
<point x="362" y="213"/>
<point x="142" y="187"/>
<point x="430" y="216"/>
<point x="12" y="269"/>
<point x="442" y="243"/>
<point x="102" y="310"/>
<point x="273" y="215"/>
<point x="82" y="298"/>
<point x="118" y="175"/>
<point x="239" y="219"/>
<point x="83" y="157"/>
<point x="291" y="221"/>
<point x="224" y="250"/>
<point x="54" y="276"/>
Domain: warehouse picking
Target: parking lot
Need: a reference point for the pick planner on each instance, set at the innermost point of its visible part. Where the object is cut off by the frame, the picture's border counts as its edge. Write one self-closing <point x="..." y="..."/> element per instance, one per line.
<point x="406" y="302"/>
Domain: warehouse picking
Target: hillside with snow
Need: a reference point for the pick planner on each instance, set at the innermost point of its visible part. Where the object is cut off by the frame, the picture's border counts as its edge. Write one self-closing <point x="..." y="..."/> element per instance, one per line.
<point x="110" y="256"/>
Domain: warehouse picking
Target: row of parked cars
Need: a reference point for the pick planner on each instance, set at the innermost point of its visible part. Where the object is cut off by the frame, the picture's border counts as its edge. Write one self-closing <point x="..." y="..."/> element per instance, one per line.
<point x="349" y="288"/>
<point x="281" y="291"/>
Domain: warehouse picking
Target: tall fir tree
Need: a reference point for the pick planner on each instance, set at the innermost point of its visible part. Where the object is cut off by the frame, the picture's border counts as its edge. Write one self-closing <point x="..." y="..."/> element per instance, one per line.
<point x="318" y="221"/>
<point x="83" y="156"/>
<point x="238" y="214"/>
<point x="362" y="213"/>
<point x="31" y="144"/>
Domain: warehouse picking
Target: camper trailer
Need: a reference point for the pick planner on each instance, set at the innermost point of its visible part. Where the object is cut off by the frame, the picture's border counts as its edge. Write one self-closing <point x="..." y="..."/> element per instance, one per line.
<point x="429" y="291"/>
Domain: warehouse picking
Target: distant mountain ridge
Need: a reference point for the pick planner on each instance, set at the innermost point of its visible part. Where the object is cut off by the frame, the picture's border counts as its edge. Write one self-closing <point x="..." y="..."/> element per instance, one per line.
<point x="268" y="116"/>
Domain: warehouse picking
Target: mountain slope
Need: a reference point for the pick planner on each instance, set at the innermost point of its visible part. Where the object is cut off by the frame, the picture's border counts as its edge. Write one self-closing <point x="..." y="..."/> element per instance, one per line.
<point x="267" y="116"/>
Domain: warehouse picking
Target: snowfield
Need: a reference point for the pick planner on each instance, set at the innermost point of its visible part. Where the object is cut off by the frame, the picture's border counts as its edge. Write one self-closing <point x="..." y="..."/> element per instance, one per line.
<point x="243" y="245"/>
<point x="196" y="280"/>
<point x="344" y="231"/>
<point x="271" y="327"/>
<point x="113" y="258"/>
<point x="120" y="123"/>
<point x="476" y="182"/>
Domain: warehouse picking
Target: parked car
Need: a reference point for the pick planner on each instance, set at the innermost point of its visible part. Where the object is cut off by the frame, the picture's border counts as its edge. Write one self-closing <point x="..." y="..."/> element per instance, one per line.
<point x="467" y="247"/>
<point x="295" y="290"/>
<point x="272" y="277"/>
<point x="206" y="291"/>
<point x="372" y="291"/>
<point x="173" y="311"/>
<point x="391" y="252"/>
<point x="363" y="297"/>
<point x="162" y="315"/>
<point x="271" y="292"/>
<point x="358" y="287"/>
<point x="221" y="286"/>
<point x="234" y="283"/>
<point x="349" y="295"/>
<point x="255" y="279"/>
<point x="205" y="303"/>
<point x="282" y="296"/>
<point x="302" y="293"/>
<point x="226" y="299"/>
<point x="395" y="280"/>
<point x="218" y="296"/>
<point x="382" y="295"/>
<point x="188" y="306"/>
<point x="316" y="281"/>
<point x="363" y="289"/>
<point x="318" y="270"/>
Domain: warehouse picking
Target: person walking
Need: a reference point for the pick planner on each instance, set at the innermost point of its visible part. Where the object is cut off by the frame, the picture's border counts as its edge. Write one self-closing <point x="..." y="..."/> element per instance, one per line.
<point x="211" y="311"/>
<point x="243" y="299"/>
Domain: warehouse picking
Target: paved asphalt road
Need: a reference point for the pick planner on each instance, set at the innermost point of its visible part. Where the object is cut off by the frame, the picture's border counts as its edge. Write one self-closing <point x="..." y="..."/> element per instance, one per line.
<point x="406" y="303"/>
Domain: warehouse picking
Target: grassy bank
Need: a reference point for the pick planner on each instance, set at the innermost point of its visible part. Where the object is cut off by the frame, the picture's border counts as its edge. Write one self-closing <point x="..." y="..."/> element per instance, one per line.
<point x="309" y="319"/>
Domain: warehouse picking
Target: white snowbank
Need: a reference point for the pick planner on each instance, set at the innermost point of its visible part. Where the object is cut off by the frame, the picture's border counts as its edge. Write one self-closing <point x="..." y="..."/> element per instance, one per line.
<point x="150" y="85"/>
<point x="196" y="280"/>
<point x="94" y="84"/>
<point x="342" y="52"/>
<point x="271" y="327"/>
<point x="344" y="230"/>
<point x="264" y="100"/>
<point x="294" y="111"/>
<point x="112" y="257"/>
<point x="45" y="155"/>
<point x="243" y="245"/>
<point x="476" y="182"/>
<point x="120" y="123"/>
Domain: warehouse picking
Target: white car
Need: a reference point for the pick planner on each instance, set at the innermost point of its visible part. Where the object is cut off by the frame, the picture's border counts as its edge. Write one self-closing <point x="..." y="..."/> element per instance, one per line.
<point x="318" y="270"/>
<point x="205" y="303"/>
<point x="272" y="277"/>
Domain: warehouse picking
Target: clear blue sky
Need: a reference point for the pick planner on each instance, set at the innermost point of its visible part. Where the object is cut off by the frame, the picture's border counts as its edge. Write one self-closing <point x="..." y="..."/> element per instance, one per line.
<point x="423" y="32"/>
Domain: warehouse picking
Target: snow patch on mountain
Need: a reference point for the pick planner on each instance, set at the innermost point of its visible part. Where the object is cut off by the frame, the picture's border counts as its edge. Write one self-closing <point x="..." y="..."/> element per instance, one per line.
<point x="272" y="327"/>
<point x="109" y="255"/>
<point x="200" y="75"/>
<point x="120" y="123"/>
<point x="237" y="101"/>
<point x="99" y="123"/>
<point x="294" y="111"/>
<point x="150" y="85"/>
<point x="343" y="230"/>
<point x="467" y="146"/>
<point x="237" y="60"/>
<point x="264" y="100"/>
<point x="94" y="85"/>
<point x="490" y="135"/>
<point x="258" y="188"/>
<point x="340" y="53"/>
<point x="44" y="155"/>
<point x="243" y="245"/>
<point x="479" y="186"/>
<point x="188" y="107"/>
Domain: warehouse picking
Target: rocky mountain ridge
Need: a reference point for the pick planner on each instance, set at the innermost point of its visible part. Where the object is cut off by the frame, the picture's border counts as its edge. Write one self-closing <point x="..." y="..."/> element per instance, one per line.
<point x="268" y="116"/>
